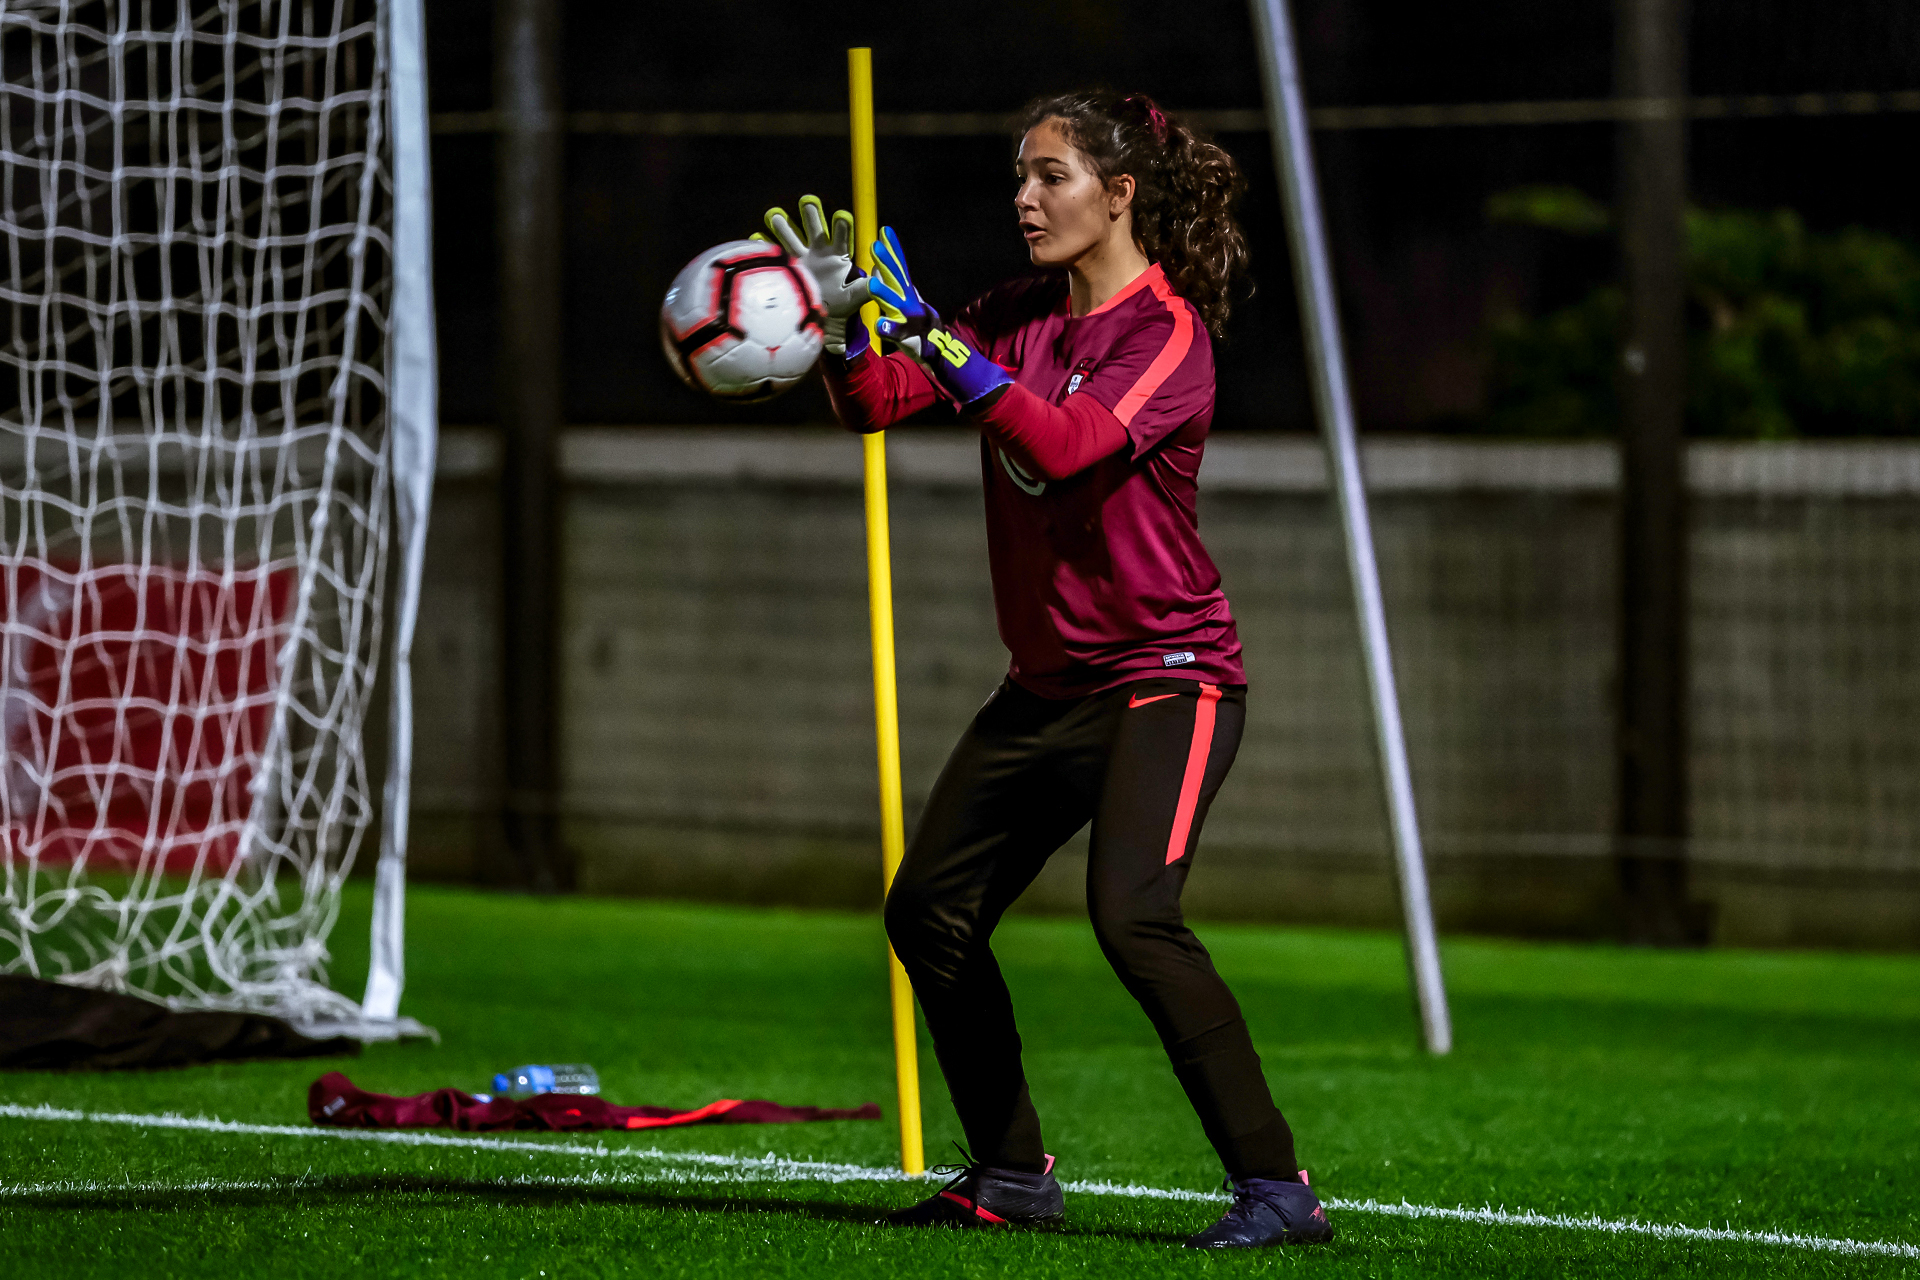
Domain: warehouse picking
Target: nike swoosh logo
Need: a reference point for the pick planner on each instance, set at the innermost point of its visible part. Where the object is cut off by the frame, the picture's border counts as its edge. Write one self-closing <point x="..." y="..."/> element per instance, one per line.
<point x="1137" y="701"/>
<point x="1018" y="474"/>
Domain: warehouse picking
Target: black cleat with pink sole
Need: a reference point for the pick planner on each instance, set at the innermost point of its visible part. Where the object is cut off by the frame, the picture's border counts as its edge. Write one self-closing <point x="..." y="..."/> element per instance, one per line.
<point x="1267" y="1211"/>
<point x="979" y="1196"/>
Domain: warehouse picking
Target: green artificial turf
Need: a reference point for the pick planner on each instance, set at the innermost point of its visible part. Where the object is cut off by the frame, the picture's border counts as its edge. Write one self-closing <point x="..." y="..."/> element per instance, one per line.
<point x="1760" y="1091"/>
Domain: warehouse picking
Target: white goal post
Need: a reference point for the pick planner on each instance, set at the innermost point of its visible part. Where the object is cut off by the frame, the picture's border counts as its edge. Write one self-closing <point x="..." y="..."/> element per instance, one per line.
<point x="217" y="422"/>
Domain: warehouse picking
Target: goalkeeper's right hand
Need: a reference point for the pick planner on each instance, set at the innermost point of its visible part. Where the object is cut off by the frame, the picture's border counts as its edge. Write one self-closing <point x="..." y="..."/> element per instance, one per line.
<point x="910" y="322"/>
<point x="827" y="256"/>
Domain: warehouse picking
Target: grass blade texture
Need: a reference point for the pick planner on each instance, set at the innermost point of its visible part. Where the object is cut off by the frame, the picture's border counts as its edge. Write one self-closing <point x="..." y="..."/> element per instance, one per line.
<point x="1607" y="1112"/>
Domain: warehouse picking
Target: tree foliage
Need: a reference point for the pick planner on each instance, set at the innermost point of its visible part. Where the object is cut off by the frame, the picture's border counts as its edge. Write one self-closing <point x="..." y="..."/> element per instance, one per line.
<point x="1790" y="332"/>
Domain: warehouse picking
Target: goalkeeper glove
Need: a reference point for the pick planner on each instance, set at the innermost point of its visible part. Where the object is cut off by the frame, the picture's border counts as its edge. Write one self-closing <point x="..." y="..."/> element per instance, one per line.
<point x="826" y="256"/>
<point x="909" y="322"/>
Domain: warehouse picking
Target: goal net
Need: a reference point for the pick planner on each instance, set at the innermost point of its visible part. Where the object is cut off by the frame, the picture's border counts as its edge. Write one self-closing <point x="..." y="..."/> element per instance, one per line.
<point x="215" y="424"/>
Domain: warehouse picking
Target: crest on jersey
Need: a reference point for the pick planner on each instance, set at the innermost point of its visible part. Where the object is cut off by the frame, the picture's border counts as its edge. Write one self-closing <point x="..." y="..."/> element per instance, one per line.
<point x="1080" y="372"/>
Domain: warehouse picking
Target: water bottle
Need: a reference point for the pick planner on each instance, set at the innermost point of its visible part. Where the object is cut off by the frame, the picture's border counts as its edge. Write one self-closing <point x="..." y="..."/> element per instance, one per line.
<point x="524" y="1082"/>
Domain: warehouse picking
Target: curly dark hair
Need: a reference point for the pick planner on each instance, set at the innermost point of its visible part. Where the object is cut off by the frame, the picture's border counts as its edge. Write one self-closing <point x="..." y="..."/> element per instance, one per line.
<point x="1185" y="188"/>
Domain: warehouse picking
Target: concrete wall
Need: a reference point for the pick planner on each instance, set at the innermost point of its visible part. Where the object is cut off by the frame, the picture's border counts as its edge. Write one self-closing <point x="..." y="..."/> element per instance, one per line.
<point x="717" y="703"/>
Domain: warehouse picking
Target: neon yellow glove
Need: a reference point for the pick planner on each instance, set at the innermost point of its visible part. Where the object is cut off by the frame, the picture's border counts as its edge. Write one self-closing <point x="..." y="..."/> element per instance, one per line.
<point x="826" y="254"/>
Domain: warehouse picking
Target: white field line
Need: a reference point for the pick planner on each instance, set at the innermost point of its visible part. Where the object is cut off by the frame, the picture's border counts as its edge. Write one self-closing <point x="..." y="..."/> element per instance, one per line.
<point x="713" y="1168"/>
<point x="1629" y="1226"/>
<point x="776" y="1168"/>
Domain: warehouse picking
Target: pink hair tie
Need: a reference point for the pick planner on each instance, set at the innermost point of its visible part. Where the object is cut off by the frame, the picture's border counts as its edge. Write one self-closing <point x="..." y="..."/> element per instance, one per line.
<point x="1156" y="119"/>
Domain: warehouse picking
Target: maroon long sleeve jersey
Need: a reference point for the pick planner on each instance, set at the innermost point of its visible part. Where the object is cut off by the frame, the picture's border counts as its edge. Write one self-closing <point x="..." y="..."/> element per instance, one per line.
<point x="1090" y="463"/>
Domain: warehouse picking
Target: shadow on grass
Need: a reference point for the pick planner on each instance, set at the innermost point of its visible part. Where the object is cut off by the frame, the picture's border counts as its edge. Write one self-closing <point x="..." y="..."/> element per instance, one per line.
<point x="314" y="1192"/>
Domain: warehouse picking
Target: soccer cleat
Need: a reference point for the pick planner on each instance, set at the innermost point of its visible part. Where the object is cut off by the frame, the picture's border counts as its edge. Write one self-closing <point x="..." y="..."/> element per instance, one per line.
<point x="978" y="1196"/>
<point x="1267" y="1211"/>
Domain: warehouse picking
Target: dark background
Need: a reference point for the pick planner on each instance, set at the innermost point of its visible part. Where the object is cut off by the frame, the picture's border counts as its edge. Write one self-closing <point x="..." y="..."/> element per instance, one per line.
<point x="1421" y="268"/>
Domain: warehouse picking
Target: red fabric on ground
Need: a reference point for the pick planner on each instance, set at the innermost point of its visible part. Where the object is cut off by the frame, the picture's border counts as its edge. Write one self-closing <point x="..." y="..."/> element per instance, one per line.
<point x="335" y="1100"/>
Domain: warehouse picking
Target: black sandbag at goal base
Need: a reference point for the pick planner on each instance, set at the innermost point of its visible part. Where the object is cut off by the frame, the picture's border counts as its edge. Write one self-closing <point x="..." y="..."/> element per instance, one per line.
<point x="49" y="1026"/>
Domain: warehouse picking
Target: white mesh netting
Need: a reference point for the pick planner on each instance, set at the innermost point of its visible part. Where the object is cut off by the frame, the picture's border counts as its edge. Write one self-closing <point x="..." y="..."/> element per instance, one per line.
<point x="194" y="489"/>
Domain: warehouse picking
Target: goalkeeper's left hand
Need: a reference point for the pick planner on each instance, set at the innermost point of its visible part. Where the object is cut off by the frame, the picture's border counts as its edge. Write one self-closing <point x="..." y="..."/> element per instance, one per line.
<point x="908" y="321"/>
<point x="827" y="257"/>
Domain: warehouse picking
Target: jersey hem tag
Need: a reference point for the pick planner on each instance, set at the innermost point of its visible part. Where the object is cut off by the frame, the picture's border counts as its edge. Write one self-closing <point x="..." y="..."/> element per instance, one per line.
<point x="1180" y="659"/>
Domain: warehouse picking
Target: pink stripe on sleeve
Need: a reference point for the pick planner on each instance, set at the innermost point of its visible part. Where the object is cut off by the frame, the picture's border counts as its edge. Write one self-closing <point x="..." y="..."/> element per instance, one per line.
<point x="1178" y="344"/>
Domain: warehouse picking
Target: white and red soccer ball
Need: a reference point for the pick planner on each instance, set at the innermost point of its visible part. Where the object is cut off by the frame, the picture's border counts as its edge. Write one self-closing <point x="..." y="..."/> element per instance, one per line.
<point x="743" y="321"/>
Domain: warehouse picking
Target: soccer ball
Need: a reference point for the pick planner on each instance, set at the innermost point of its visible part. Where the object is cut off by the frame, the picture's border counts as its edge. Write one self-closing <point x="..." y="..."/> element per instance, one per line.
<point x="742" y="321"/>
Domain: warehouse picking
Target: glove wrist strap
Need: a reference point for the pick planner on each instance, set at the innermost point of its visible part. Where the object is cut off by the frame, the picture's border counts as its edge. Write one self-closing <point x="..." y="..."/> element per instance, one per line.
<point x="853" y="336"/>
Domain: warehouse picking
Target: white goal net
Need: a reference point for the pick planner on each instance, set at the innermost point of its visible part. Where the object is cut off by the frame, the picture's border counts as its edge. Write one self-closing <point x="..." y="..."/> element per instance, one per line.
<point x="214" y="407"/>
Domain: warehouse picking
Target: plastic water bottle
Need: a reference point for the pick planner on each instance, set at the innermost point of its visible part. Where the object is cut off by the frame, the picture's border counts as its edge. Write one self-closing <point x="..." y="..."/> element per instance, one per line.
<point x="524" y="1082"/>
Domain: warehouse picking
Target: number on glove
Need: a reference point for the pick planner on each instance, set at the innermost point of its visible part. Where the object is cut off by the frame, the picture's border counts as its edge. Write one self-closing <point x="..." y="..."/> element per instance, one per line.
<point x="951" y="347"/>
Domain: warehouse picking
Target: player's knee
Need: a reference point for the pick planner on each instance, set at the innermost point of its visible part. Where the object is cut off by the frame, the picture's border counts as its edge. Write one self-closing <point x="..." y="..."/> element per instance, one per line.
<point x="912" y="918"/>
<point x="1120" y="931"/>
<point x="933" y="935"/>
<point x="1135" y="938"/>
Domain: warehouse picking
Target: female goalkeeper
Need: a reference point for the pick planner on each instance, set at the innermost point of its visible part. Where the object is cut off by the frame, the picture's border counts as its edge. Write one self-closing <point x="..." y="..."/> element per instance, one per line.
<point x="1092" y="384"/>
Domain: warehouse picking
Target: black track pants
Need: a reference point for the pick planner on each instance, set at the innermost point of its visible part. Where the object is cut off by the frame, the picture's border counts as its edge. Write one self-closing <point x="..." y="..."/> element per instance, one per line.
<point x="1142" y="762"/>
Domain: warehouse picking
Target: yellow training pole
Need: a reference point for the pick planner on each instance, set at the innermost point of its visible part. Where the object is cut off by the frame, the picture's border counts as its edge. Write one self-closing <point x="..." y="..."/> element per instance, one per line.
<point x="886" y="705"/>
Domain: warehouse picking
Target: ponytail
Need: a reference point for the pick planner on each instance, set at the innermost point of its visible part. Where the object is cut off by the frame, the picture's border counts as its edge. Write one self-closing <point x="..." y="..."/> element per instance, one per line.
<point x="1184" y="192"/>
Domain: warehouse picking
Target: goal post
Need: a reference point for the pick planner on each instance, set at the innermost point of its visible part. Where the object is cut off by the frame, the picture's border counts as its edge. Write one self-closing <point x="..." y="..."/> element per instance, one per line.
<point x="216" y="423"/>
<point x="1333" y="404"/>
<point x="413" y="427"/>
